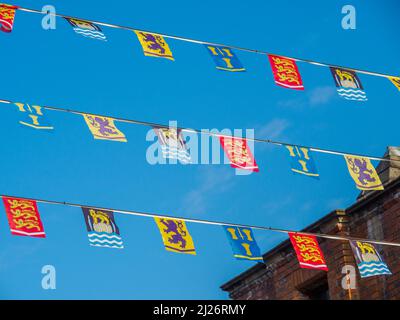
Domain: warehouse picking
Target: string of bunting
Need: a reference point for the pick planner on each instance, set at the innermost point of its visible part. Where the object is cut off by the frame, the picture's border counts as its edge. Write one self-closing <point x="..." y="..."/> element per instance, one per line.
<point x="173" y="144"/>
<point x="24" y="220"/>
<point x="103" y="231"/>
<point x="285" y="70"/>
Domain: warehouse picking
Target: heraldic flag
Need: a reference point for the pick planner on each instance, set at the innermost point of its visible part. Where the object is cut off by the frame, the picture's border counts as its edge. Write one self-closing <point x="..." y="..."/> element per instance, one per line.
<point x="175" y="235"/>
<point x="224" y="58"/>
<point x="154" y="45"/>
<point x="348" y="85"/>
<point x="172" y="144"/>
<point x="369" y="261"/>
<point x="363" y="173"/>
<point x="86" y="29"/>
<point x="23" y="217"/>
<point x="102" y="229"/>
<point x="7" y="15"/>
<point x="286" y="73"/>
<point x="103" y="128"/>
<point x="239" y="153"/>
<point x="395" y="81"/>
<point x="302" y="162"/>
<point x="32" y="117"/>
<point x="308" y="252"/>
<point x="243" y="243"/>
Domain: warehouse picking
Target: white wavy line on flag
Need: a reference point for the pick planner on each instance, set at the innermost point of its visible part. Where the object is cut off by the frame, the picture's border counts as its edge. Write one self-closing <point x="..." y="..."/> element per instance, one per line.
<point x="118" y="243"/>
<point x="370" y="265"/>
<point x="91" y="34"/>
<point x="174" y="149"/>
<point x="313" y="266"/>
<point x="289" y="86"/>
<point x="106" y="246"/>
<point x="174" y="154"/>
<point x="185" y="154"/>
<point x="352" y="95"/>
<point x="356" y="99"/>
<point x="104" y="236"/>
<point x="183" y="160"/>
<point x="27" y="233"/>
<point x="375" y="270"/>
<point x="244" y="167"/>
<point x="349" y="90"/>
<point x="87" y="31"/>
<point x="93" y="37"/>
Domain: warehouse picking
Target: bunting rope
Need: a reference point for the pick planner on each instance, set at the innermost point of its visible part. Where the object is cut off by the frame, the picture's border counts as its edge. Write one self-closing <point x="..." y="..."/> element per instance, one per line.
<point x="191" y="40"/>
<point x="152" y="124"/>
<point x="209" y="222"/>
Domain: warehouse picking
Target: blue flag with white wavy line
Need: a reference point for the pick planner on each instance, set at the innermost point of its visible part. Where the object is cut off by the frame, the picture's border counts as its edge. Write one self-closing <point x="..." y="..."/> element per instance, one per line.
<point x="87" y="29"/>
<point x="348" y="85"/>
<point x="102" y="229"/>
<point x="369" y="261"/>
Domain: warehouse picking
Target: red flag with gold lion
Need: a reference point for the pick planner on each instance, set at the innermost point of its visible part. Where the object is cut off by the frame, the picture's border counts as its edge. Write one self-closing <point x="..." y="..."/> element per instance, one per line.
<point x="23" y="217"/>
<point x="308" y="252"/>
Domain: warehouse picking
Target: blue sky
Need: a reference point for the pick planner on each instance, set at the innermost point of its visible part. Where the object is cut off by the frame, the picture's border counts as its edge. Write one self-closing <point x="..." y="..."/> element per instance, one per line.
<point x="62" y="69"/>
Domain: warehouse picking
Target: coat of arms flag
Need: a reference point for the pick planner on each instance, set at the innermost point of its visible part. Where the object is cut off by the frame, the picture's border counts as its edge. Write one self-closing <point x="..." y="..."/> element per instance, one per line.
<point x="243" y="243"/>
<point x="103" y="128"/>
<point x="224" y="58"/>
<point x="23" y="217"/>
<point x="32" y="116"/>
<point x="302" y="161"/>
<point x="308" y="252"/>
<point x="363" y="173"/>
<point x="154" y="45"/>
<point x="7" y="16"/>
<point x="172" y="144"/>
<point x="239" y="153"/>
<point x="369" y="261"/>
<point x="348" y="85"/>
<point x="175" y="235"/>
<point x="102" y="229"/>
<point x="87" y="29"/>
<point x="286" y="73"/>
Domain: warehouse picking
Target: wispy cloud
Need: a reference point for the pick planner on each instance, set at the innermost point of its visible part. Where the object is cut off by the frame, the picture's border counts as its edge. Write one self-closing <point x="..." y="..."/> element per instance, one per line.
<point x="213" y="181"/>
<point x="274" y="130"/>
<point x="315" y="97"/>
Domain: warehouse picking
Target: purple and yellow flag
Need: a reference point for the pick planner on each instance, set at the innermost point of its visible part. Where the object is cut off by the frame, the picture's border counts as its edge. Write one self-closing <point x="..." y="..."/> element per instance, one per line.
<point x="103" y="128"/>
<point x="154" y="45"/>
<point x="175" y="235"/>
<point x="363" y="173"/>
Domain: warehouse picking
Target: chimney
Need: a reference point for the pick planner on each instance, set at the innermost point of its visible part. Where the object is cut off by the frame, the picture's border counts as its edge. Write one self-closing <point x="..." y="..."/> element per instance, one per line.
<point x="388" y="171"/>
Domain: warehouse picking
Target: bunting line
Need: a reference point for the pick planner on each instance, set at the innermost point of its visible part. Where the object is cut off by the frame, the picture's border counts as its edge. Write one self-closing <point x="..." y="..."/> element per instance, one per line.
<point x="191" y="40"/>
<point x="152" y="124"/>
<point x="204" y="221"/>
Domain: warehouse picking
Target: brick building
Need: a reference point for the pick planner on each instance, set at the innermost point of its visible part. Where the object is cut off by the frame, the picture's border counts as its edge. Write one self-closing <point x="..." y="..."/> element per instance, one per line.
<point x="375" y="215"/>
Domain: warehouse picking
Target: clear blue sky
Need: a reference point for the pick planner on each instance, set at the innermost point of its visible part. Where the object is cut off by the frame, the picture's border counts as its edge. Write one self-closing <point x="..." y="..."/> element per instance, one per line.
<point x="60" y="68"/>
